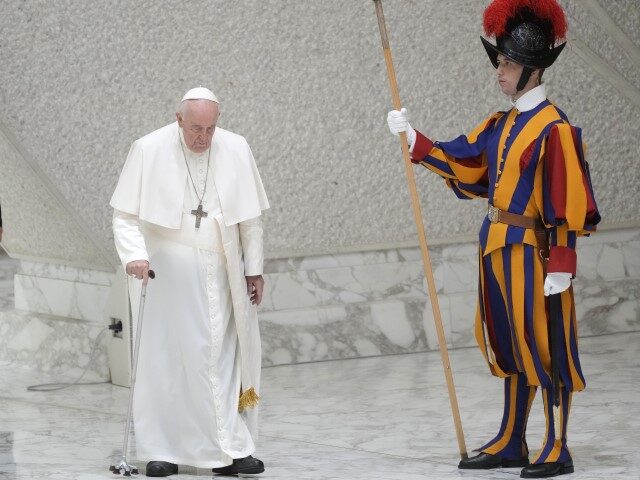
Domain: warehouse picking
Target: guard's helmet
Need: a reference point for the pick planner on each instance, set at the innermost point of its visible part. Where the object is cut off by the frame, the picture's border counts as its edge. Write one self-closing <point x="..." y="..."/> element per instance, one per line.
<point x="526" y="31"/>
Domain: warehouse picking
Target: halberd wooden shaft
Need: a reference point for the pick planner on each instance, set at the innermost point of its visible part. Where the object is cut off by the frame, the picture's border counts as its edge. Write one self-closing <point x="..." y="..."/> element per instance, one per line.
<point x="424" y="248"/>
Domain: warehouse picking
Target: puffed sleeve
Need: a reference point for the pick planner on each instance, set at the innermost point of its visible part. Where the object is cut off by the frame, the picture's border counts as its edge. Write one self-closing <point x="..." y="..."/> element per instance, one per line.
<point x="461" y="162"/>
<point x="569" y="206"/>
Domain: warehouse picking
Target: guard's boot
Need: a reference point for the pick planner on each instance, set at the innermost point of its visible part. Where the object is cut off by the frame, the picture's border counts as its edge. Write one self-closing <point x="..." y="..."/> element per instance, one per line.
<point x="161" y="469"/>
<point x="545" y="470"/>
<point x="247" y="465"/>
<point x="555" y="443"/>
<point x="484" y="461"/>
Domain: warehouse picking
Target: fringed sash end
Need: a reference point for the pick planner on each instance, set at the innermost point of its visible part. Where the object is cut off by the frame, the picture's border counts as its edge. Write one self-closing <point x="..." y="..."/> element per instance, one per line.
<point x="248" y="399"/>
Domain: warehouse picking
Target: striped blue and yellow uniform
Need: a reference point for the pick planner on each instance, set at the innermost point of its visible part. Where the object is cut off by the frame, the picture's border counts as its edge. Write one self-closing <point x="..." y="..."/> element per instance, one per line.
<point x="532" y="164"/>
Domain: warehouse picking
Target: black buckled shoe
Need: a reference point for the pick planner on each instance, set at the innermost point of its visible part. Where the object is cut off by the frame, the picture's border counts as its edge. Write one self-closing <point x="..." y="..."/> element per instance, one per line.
<point x="247" y="465"/>
<point x="161" y="469"/>
<point x="485" y="461"/>
<point x="545" y="470"/>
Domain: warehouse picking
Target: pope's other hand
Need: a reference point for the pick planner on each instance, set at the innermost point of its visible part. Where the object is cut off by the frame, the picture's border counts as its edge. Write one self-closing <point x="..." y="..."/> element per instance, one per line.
<point x="255" y="286"/>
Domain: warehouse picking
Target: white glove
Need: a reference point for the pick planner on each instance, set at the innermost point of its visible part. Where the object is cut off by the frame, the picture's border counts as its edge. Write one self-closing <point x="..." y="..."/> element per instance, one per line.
<point x="556" y="282"/>
<point x="398" y="122"/>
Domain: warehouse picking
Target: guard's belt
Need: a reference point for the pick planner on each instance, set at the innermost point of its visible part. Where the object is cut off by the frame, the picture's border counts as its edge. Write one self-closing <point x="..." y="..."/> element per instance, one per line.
<point x="496" y="215"/>
<point x="500" y="216"/>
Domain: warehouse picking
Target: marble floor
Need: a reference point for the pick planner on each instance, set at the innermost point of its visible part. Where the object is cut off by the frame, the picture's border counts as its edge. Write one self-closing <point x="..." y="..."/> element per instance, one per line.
<point x="372" y="418"/>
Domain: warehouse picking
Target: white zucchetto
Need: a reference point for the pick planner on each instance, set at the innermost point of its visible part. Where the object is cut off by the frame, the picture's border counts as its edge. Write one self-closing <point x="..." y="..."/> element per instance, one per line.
<point x="200" y="93"/>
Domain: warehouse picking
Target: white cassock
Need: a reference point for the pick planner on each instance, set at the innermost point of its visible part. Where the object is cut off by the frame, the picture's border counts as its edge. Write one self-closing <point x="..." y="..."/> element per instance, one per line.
<point x="200" y="343"/>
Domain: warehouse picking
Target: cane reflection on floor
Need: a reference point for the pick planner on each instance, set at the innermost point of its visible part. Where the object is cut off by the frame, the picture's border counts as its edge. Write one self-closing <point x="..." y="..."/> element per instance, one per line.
<point x="124" y="467"/>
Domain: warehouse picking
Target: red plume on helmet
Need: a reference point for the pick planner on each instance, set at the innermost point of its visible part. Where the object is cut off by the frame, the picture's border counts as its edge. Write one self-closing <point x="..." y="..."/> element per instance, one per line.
<point x="500" y="12"/>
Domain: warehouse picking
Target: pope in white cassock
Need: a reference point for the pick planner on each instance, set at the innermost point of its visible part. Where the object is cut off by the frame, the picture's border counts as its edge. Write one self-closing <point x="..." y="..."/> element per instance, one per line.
<point x="188" y="203"/>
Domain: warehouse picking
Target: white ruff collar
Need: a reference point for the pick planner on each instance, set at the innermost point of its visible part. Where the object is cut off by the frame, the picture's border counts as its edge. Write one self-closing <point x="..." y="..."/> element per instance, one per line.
<point x="531" y="99"/>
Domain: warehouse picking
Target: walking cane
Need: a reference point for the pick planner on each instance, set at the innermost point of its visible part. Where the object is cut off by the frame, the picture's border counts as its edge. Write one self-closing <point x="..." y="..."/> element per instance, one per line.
<point x="124" y="467"/>
<point x="417" y="216"/>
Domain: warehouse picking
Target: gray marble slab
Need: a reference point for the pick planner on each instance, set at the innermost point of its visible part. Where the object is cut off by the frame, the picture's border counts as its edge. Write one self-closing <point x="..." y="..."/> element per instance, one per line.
<point x="54" y="344"/>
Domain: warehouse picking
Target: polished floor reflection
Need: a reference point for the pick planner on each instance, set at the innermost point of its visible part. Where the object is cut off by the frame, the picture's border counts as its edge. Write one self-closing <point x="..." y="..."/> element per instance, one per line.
<point x="373" y="418"/>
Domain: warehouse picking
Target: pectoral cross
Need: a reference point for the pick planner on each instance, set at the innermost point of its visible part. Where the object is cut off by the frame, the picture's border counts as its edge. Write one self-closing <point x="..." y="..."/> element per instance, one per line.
<point x="199" y="213"/>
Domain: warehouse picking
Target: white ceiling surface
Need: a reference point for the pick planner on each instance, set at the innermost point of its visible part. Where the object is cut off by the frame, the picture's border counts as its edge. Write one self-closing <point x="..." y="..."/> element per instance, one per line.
<point x="305" y="82"/>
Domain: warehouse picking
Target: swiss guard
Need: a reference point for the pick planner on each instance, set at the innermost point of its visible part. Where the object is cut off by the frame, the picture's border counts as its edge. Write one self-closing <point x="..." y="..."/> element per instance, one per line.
<point x="529" y="163"/>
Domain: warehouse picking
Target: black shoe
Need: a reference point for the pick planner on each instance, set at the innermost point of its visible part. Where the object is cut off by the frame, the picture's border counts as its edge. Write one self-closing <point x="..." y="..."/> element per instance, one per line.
<point x="246" y="465"/>
<point x="484" y="461"/>
<point x="161" y="469"/>
<point x="544" y="470"/>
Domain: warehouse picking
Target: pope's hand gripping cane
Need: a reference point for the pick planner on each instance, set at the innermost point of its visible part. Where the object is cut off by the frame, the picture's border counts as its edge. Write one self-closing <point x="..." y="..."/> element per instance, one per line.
<point x="417" y="215"/>
<point x="124" y="467"/>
